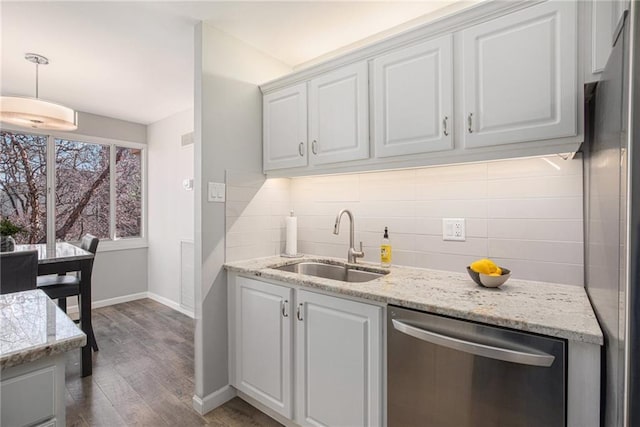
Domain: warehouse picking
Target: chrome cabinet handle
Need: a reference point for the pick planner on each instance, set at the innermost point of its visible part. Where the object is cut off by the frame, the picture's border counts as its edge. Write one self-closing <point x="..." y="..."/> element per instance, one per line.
<point x="484" y="350"/>
<point x="283" y="304"/>
<point x="299" y="312"/>
<point x="470" y="120"/>
<point x="300" y="149"/>
<point x="314" y="147"/>
<point x="444" y="126"/>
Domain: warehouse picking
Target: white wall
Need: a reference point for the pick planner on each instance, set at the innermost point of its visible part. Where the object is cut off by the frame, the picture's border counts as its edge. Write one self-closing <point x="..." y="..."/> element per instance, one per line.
<point x="171" y="206"/>
<point x="526" y="214"/>
<point x="118" y="274"/>
<point x="228" y="137"/>
<point x="107" y="127"/>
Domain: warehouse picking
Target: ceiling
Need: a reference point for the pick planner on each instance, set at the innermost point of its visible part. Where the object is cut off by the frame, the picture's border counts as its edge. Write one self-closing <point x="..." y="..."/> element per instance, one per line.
<point x="134" y="60"/>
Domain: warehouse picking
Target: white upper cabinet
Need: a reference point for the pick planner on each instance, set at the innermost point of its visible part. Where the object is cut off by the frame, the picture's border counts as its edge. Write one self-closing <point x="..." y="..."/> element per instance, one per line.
<point x="619" y="7"/>
<point x="602" y="28"/>
<point x="262" y="331"/>
<point x="497" y="81"/>
<point x="285" y="128"/>
<point x="520" y="76"/>
<point x="338" y="362"/>
<point x="339" y="115"/>
<point x="413" y="99"/>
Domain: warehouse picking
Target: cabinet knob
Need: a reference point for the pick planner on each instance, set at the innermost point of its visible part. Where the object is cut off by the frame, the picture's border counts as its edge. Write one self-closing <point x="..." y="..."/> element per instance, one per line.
<point x="314" y="147"/>
<point x="283" y="305"/>
<point x="301" y="149"/>
<point x="470" y="120"/>
<point x="299" y="312"/>
<point x="444" y="126"/>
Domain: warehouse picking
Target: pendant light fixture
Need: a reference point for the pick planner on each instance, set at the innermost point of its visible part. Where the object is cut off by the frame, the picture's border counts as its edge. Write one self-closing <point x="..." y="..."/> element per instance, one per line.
<point x="34" y="112"/>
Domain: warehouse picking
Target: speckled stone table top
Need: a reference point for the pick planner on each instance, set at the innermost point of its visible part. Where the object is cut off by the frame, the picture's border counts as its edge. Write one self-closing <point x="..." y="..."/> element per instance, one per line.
<point x="61" y="250"/>
<point x="551" y="309"/>
<point x="32" y="327"/>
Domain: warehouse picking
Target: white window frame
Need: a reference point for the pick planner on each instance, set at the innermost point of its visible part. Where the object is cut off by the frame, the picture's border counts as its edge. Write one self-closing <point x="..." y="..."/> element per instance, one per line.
<point x="113" y="242"/>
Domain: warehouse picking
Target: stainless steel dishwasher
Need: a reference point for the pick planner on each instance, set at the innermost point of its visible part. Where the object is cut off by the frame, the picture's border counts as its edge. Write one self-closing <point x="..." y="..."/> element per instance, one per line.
<point x="443" y="372"/>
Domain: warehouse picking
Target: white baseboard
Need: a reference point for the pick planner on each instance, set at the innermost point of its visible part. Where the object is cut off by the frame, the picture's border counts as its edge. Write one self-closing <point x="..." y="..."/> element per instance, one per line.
<point x="171" y="304"/>
<point x="110" y="301"/>
<point x="213" y="400"/>
<point x="73" y="309"/>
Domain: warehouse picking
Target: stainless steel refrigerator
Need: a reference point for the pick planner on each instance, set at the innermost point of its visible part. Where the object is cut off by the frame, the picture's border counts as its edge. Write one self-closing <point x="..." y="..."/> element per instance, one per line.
<point x="612" y="221"/>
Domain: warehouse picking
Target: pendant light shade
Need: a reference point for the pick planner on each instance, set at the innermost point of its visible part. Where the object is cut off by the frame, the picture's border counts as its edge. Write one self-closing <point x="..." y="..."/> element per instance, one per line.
<point x="37" y="113"/>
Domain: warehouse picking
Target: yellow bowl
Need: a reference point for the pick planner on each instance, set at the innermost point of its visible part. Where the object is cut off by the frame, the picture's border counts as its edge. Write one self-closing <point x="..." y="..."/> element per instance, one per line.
<point x="489" y="281"/>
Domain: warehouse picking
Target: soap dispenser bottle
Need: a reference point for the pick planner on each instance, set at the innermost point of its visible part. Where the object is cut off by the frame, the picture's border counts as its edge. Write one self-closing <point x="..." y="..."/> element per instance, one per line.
<point x="385" y="250"/>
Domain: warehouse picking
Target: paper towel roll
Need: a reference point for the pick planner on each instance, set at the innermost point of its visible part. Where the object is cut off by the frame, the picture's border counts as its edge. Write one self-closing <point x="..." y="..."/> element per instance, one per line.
<point x="292" y="235"/>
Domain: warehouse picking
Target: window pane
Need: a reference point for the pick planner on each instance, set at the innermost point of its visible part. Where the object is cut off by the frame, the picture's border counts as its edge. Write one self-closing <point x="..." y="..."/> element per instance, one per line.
<point x="82" y="190"/>
<point x="23" y="184"/>
<point x="128" y="192"/>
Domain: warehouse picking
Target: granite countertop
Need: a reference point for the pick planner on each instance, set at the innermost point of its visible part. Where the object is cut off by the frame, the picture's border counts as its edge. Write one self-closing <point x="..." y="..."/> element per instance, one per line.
<point x="34" y="327"/>
<point x="551" y="309"/>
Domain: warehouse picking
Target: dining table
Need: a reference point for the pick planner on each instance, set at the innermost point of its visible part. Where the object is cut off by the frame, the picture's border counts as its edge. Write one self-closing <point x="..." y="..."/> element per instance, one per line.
<point x="64" y="257"/>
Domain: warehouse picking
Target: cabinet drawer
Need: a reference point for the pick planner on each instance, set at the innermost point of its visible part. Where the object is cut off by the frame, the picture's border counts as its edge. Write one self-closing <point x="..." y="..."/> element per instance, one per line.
<point x="29" y="398"/>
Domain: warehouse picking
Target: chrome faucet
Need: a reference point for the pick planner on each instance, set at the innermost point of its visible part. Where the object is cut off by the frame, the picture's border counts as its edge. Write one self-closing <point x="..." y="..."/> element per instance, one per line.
<point x="353" y="254"/>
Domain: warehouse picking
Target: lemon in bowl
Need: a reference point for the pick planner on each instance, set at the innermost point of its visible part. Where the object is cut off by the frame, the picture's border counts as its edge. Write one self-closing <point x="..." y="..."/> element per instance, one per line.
<point x="487" y="273"/>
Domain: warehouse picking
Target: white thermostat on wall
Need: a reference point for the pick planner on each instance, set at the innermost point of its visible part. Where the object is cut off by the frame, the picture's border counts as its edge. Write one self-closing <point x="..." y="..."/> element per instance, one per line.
<point x="187" y="184"/>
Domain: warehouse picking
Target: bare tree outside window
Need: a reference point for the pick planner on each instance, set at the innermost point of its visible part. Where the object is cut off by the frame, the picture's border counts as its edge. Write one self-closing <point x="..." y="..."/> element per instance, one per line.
<point x="82" y="190"/>
<point x="23" y="184"/>
<point x="83" y="184"/>
<point x="128" y="192"/>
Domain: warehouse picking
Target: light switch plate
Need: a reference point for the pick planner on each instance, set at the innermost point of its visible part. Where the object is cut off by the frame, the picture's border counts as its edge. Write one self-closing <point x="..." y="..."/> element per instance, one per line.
<point x="453" y="229"/>
<point x="216" y="192"/>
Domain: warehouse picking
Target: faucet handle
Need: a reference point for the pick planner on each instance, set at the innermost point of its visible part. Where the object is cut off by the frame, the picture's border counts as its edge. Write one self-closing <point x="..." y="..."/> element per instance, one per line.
<point x="361" y="254"/>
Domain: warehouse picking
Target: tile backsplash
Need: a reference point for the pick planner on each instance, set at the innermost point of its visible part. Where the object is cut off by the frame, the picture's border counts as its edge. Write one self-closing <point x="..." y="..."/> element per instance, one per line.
<point x="526" y="214"/>
<point x="255" y="211"/>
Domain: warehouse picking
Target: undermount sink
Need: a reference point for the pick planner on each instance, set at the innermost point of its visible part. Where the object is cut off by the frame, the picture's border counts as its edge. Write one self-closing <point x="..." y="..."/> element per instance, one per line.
<point x="333" y="271"/>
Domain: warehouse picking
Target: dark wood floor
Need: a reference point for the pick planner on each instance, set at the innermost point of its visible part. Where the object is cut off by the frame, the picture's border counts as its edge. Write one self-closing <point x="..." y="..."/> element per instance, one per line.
<point x="143" y="373"/>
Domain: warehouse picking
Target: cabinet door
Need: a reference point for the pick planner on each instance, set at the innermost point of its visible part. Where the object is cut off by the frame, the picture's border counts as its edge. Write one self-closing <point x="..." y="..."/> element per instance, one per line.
<point x="30" y="397"/>
<point x="619" y="7"/>
<point x="285" y="128"/>
<point x="520" y="76"/>
<point x="339" y="115"/>
<point x="413" y="99"/>
<point x="338" y="362"/>
<point x="263" y="343"/>
<point x="602" y="23"/>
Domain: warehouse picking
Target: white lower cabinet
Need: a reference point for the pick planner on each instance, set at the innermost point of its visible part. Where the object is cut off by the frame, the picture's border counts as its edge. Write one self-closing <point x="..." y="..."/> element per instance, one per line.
<point x="263" y="343"/>
<point x="338" y="361"/>
<point x="336" y="345"/>
<point x="32" y="394"/>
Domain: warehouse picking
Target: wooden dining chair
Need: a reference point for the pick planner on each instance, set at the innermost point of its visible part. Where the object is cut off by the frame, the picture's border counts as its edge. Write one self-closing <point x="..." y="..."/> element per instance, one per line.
<point x="63" y="286"/>
<point x="18" y="271"/>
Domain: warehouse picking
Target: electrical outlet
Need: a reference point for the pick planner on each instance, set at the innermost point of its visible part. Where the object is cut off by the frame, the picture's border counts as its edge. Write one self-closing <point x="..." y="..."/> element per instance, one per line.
<point x="453" y="229"/>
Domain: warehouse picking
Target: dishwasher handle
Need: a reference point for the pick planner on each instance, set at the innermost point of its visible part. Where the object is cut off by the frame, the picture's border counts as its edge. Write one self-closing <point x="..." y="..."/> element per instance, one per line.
<point x="505" y="354"/>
